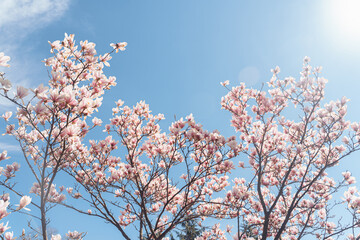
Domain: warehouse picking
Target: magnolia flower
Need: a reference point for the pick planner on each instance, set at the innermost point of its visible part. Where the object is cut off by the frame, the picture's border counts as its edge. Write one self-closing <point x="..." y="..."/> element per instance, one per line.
<point x="21" y="92"/>
<point x="119" y="46"/>
<point x="232" y="144"/>
<point x="69" y="190"/>
<point x="40" y="109"/>
<point x="276" y="70"/>
<point x="306" y="59"/>
<point x="6" y="84"/>
<point x="318" y="69"/>
<point x="96" y="121"/>
<point x="346" y="175"/>
<point x="74" y="235"/>
<point x="351" y="180"/>
<point x="4" y="59"/>
<point x="225" y="83"/>
<point x="3" y="228"/>
<point x="71" y="131"/>
<point x="4" y="156"/>
<point x="322" y="213"/>
<point x="40" y="90"/>
<point x="119" y="103"/>
<point x="3" y="208"/>
<point x="346" y="140"/>
<point x="56" y="237"/>
<point x="24" y="201"/>
<point x="9" y="235"/>
<point x="54" y="45"/>
<point x="7" y="115"/>
<point x="105" y="59"/>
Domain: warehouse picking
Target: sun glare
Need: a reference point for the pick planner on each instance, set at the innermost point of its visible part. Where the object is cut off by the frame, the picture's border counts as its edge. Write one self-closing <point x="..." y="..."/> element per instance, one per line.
<point x="345" y="18"/>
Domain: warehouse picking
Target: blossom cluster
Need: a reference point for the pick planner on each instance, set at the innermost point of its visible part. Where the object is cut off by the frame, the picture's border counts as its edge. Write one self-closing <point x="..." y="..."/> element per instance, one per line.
<point x="50" y="121"/>
<point x="291" y="190"/>
<point x="150" y="166"/>
<point x="141" y="177"/>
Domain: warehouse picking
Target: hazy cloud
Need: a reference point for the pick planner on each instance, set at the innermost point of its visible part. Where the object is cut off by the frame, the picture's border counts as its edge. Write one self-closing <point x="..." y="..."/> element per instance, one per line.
<point x="9" y="147"/>
<point x="18" y="19"/>
<point x="249" y="75"/>
<point x="23" y="16"/>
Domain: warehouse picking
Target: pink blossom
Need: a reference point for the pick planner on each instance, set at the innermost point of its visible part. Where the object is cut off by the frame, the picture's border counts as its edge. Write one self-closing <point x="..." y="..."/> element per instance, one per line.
<point x="74" y="235"/>
<point x="24" y="201"/>
<point x="227" y="82"/>
<point x="96" y="121"/>
<point x="346" y="175"/>
<point x="3" y="227"/>
<point x="4" y="59"/>
<point x="119" y="46"/>
<point x="21" y="92"/>
<point x="56" y="237"/>
<point x="7" y="115"/>
<point x="40" y="90"/>
<point x="9" y="236"/>
<point x="4" y="156"/>
<point x="6" y="84"/>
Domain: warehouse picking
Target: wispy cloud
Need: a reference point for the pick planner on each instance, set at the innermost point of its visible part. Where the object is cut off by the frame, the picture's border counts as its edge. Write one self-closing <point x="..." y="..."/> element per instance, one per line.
<point x="18" y="19"/>
<point x="9" y="147"/>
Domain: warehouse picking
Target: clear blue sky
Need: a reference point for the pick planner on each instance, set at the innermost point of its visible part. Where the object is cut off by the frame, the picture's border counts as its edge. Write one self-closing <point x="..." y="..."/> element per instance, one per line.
<point x="179" y="51"/>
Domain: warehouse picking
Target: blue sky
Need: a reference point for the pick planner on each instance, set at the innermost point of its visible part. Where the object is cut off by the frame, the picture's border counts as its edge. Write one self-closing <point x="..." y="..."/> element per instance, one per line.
<point x="179" y="51"/>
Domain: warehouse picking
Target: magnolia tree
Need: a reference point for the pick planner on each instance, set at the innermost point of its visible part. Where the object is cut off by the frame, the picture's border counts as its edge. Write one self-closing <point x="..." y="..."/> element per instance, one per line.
<point x="289" y="140"/>
<point x="162" y="179"/>
<point x="270" y="182"/>
<point x="50" y="122"/>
